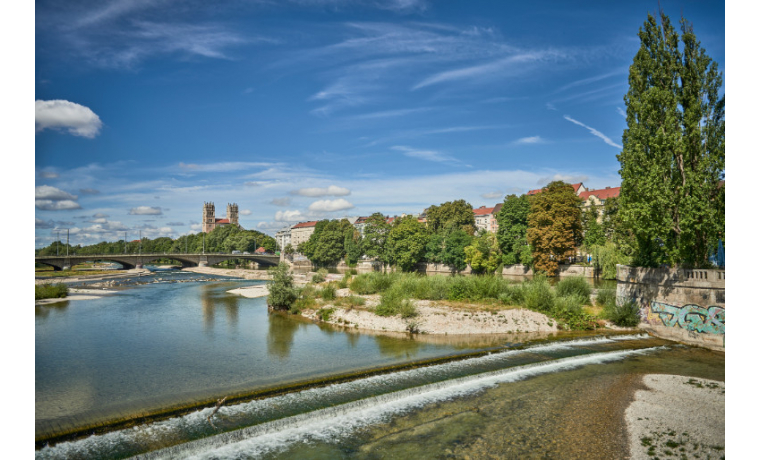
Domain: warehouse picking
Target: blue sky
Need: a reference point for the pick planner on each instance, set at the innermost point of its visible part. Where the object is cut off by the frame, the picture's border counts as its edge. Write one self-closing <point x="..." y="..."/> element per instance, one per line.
<point x="304" y="110"/>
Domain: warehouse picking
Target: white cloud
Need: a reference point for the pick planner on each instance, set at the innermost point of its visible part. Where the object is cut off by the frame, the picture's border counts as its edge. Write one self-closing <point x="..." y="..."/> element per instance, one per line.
<point x="493" y="195"/>
<point x="290" y="216"/>
<point x="330" y="205"/>
<point x="530" y="140"/>
<point x="621" y="112"/>
<point x="50" y="205"/>
<point x="281" y="201"/>
<point x="428" y="155"/>
<point x="46" y="192"/>
<point x="48" y="174"/>
<point x="593" y="131"/>
<point x="59" y="114"/>
<point x="245" y="212"/>
<point x="145" y="211"/>
<point x="269" y="226"/>
<point x="569" y="178"/>
<point x="333" y="190"/>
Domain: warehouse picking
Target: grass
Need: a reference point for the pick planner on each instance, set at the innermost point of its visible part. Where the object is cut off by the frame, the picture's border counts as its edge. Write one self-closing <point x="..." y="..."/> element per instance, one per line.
<point x="50" y="291"/>
<point x="625" y="314"/>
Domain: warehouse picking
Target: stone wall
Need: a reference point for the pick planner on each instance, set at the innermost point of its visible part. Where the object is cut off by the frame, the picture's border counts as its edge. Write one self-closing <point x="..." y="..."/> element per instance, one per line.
<point x="678" y="304"/>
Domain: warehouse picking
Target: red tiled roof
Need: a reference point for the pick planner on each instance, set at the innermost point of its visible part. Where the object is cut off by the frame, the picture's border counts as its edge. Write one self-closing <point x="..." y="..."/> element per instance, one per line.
<point x="482" y="211"/>
<point x="361" y="220"/>
<point x="260" y="250"/>
<point x="602" y="194"/>
<point x="222" y="221"/>
<point x="305" y="224"/>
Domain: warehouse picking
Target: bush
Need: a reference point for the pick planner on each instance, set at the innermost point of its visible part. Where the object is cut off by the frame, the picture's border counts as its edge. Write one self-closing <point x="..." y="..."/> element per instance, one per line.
<point x="575" y="286"/>
<point x="320" y="276"/>
<point x="353" y="301"/>
<point x="372" y="283"/>
<point x="458" y="288"/>
<point x="513" y="295"/>
<point x="538" y="295"/>
<point x="282" y="293"/>
<point x="50" y="291"/>
<point x="325" y="313"/>
<point x="624" y="315"/>
<point x="571" y="304"/>
<point x="301" y="304"/>
<point x="343" y="283"/>
<point x="433" y="287"/>
<point x="407" y="309"/>
<point x="606" y="297"/>
<point x="327" y="292"/>
<point x="390" y="302"/>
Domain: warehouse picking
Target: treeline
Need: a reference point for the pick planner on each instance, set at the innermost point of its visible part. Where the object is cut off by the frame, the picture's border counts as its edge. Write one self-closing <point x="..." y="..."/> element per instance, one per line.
<point x="540" y="231"/>
<point x="222" y="239"/>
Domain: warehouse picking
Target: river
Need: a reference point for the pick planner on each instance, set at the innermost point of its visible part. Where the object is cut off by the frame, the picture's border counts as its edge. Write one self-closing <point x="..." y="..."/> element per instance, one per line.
<point x="182" y="340"/>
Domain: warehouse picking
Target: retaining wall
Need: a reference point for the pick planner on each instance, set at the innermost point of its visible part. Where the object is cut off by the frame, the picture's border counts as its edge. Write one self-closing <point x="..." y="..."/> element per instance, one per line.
<point x="684" y="305"/>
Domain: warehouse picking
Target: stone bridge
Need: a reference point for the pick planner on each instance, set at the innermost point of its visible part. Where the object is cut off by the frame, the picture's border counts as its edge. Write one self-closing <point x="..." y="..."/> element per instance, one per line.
<point x="138" y="260"/>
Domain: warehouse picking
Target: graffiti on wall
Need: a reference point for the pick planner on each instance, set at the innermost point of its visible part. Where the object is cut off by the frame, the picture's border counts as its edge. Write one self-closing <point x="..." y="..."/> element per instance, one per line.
<point x="693" y="318"/>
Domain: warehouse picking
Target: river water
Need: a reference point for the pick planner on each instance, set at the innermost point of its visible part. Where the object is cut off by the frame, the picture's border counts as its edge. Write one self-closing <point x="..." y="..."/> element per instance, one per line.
<point x="171" y="343"/>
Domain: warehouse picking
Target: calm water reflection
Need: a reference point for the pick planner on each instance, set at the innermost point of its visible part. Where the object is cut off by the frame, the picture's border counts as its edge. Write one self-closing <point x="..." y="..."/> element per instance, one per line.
<point x="171" y="343"/>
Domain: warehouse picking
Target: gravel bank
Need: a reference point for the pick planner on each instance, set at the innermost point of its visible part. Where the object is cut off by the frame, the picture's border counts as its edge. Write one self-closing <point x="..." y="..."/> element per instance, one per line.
<point x="680" y="417"/>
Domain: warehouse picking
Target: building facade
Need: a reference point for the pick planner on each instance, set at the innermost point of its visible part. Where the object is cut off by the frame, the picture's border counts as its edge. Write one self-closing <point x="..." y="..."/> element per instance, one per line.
<point x="209" y="221"/>
<point x="301" y="232"/>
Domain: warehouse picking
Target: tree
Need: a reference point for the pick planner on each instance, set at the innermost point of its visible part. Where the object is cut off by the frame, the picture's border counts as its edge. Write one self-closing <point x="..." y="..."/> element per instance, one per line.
<point x="554" y="226"/>
<point x="451" y="213"/>
<point x="593" y="234"/>
<point x="282" y="293"/>
<point x="406" y="243"/>
<point x="448" y="247"/>
<point x="673" y="156"/>
<point x="513" y="226"/>
<point x="483" y="254"/>
<point x="375" y="235"/>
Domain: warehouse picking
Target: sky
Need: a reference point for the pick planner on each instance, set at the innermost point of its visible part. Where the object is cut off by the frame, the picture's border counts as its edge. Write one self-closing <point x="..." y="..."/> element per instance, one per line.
<point x="312" y="109"/>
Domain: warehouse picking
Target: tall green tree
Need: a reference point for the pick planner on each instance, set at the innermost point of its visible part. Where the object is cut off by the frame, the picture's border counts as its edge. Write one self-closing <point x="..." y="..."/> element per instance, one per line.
<point x="554" y="226"/>
<point x="513" y="226"/>
<point x="593" y="233"/>
<point x="456" y="213"/>
<point x="483" y="255"/>
<point x="406" y="243"/>
<point x="673" y="156"/>
<point x="447" y="247"/>
<point x="375" y="236"/>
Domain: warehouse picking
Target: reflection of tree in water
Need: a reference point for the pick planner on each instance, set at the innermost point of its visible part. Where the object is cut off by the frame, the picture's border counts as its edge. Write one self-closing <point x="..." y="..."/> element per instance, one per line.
<point x="280" y="335"/>
<point x="397" y="348"/>
<point x="42" y="311"/>
<point x="353" y="338"/>
<point x="211" y="298"/>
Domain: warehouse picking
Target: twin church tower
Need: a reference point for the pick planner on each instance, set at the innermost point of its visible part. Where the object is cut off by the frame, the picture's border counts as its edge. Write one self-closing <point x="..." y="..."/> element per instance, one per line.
<point x="210" y="222"/>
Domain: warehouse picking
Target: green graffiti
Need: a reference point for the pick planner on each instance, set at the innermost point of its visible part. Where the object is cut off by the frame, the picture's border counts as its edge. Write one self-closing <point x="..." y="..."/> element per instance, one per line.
<point x="711" y="320"/>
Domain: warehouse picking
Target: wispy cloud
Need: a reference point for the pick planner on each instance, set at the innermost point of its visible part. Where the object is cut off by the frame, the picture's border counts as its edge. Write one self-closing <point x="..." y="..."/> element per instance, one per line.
<point x="333" y="190"/>
<point x="427" y="155"/>
<point x="593" y="79"/>
<point x="145" y="211"/>
<point x="595" y="132"/>
<point x="621" y="112"/>
<point x="531" y="140"/>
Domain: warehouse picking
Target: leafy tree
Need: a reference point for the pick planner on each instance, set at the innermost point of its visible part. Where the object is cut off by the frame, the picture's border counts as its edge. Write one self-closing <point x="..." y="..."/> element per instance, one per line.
<point x="328" y="243"/>
<point x="353" y="246"/>
<point x="406" y="243"/>
<point x="448" y="248"/>
<point x="376" y="233"/>
<point x="451" y="213"/>
<point x="593" y="233"/>
<point x="282" y="292"/>
<point x="554" y="226"/>
<point x="673" y="156"/>
<point x="513" y="226"/>
<point x="484" y="254"/>
<point x="289" y="250"/>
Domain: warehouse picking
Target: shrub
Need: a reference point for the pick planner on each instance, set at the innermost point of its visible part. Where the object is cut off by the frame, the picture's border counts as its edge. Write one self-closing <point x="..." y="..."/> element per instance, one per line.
<point x="282" y="293"/>
<point x="320" y="276"/>
<point x="433" y="287"/>
<point x="301" y="304"/>
<point x="390" y="302"/>
<point x="327" y="292"/>
<point x="325" y="313"/>
<point x="458" y="288"/>
<point x="575" y="285"/>
<point x="538" y="295"/>
<point x="513" y="295"/>
<point x="372" y="283"/>
<point x="343" y="283"/>
<point x="407" y="309"/>
<point x="570" y="304"/>
<point x="354" y="301"/>
<point x="606" y="297"/>
<point x="624" y="315"/>
<point x="50" y="291"/>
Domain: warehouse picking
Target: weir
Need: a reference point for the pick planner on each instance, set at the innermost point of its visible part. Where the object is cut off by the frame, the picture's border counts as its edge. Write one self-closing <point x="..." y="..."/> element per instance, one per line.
<point x="327" y="413"/>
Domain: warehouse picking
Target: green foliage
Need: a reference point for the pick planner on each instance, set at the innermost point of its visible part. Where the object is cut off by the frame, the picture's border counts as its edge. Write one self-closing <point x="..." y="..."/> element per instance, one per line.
<point x="289" y="250"/>
<point x="448" y="247"/>
<point x="606" y="297"/>
<point x="575" y="286"/>
<point x="375" y="236"/>
<point x="372" y="283"/>
<point x="327" y="292"/>
<point x="326" y="246"/>
<point x="538" y="295"/>
<point x="673" y="156"/>
<point x="282" y="293"/>
<point x="483" y="255"/>
<point x="554" y="226"/>
<point x="625" y="314"/>
<point x="452" y="214"/>
<point x="50" y="291"/>
<point x="319" y="276"/>
<point x="325" y="313"/>
<point x="606" y="257"/>
<point x="343" y="283"/>
<point x="593" y="233"/>
<point x="513" y="227"/>
<point x="390" y="302"/>
<point x="406" y="243"/>
<point x="407" y="309"/>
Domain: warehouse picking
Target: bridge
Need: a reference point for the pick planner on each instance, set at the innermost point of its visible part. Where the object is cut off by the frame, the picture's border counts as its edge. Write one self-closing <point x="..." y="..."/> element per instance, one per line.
<point x="129" y="261"/>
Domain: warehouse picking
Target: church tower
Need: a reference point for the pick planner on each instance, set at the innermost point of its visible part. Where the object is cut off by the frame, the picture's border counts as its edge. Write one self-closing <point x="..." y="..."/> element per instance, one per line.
<point x="209" y="221"/>
<point x="232" y="213"/>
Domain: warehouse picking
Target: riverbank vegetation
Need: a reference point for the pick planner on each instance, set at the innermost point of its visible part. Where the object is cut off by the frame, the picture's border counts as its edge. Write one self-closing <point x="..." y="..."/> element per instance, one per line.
<point x="50" y="291"/>
<point x="569" y="303"/>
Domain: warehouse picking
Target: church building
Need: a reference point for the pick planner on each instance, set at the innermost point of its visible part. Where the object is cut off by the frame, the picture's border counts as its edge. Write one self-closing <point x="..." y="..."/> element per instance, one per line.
<point x="210" y="222"/>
